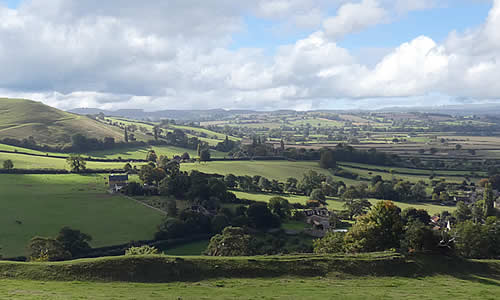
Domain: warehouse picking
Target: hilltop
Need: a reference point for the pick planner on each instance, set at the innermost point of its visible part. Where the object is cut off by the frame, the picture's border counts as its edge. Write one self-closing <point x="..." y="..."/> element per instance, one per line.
<point x="21" y="118"/>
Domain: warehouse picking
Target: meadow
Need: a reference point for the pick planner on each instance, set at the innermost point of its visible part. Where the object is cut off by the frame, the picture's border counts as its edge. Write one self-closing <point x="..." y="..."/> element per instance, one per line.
<point x="337" y="204"/>
<point x="279" y="170"/>
<point x="40" y="205"/>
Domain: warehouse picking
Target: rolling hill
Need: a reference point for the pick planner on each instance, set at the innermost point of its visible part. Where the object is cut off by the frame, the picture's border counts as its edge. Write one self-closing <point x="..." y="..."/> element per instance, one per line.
<point x="20" y="119"/>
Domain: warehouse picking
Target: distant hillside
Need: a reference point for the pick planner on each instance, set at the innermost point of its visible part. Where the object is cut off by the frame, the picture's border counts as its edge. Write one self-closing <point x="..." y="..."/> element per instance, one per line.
<point x="139" y="114"/>
<point x="20" y="119"/>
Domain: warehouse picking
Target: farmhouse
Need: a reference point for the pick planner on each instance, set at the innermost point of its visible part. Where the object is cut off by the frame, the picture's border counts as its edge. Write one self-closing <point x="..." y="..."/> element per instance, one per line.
<point x="117" y="182"/>
<point x="319" y="218"/>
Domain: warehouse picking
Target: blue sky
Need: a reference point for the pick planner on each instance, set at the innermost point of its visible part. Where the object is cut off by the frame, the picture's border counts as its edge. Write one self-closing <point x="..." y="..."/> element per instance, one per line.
<point x="12" y="3"/>
<point x="435" y="23"/>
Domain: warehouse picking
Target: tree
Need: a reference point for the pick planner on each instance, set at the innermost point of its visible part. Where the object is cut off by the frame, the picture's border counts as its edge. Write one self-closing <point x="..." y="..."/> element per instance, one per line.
<point x="185" y="156"/>
<point x="489" y="201"/>
<point x="280" y="207"/>
<point x="463" y="212"/>
<point x="151" y="156"/>
<point x="232" y="242"/>
<point x="327" y="160"/>
<point x="357" y="207"/>
<point x="127" y="168"/>
<point x="264" y="184"/>
<point x="46" y="249"/>
<point x="260" y="217"/>
<point x="8" y="164"/>
<point x="205" y="155"/>
<point x="231" y="181"/>
<point x="378" y="230"/>
<point x="458" y="147"/>
<point x="156" y="132"/>
<point x="418" y="237"/>
<point x="76" y="163"/>
<point x="74" y="241"/>
<point x="471" y="240"/>
<point x="412" y="214"/>
<point x="318" y="195"/>
<point x="125" y="135"/>
<point x="332" y="242"/>
<point x="146" y="174"/>
<point x="171" y="208"/>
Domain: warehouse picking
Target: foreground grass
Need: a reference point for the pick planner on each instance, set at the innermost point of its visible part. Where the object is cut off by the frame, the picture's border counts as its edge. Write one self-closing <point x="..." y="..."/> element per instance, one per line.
<point x="365" y="276"/>
<point x="331" y="287"/>
<point x="33" y="205"/>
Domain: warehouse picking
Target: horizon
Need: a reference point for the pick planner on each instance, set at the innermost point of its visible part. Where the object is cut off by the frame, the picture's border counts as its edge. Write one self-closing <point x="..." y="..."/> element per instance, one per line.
<point x="263" y="56"/>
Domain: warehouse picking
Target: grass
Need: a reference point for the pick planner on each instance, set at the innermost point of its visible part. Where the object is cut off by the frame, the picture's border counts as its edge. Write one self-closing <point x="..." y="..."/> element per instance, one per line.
<point x="21" y="118"/>
<point x="36" y="162"/>
<point x="373" y="275"/>
<point x="337" y="204"/>
<point x="331" y="287"/>
<point x="279" y="170"/>
<point x="190" y="249"/>
<point x="45" y="203"/>
<point x="141" y="152"/>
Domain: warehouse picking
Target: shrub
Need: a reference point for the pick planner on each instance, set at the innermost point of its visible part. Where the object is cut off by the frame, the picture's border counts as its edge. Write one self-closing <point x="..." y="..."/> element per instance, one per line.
<point x="142" y="250"/>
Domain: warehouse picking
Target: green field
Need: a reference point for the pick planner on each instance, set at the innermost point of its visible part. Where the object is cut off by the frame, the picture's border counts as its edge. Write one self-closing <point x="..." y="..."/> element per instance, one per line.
<point x="337" y="204"/>
<point x="279" y="170"/>
<point x="21" y="119"/>
<point x="36" y="162"/>
<point x="45" y="203"/>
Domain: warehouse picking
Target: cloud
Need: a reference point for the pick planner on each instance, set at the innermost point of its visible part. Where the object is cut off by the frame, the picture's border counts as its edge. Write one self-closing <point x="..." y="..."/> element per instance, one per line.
<point x="176" y="54"/>
<point x="354" y="17"/>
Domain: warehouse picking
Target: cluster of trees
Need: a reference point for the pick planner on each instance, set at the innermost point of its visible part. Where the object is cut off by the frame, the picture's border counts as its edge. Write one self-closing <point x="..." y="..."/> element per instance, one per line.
<point x="395" y="190"/>
<point x="342" y="152"/>
<point x="385" y="227"/>
<point x="227" y="145"/>
<point x="194" y="221"/>
<point x="68" y="243"/>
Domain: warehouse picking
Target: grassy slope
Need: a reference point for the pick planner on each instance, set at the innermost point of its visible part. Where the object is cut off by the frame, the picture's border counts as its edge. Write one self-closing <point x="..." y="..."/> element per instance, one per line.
<point x="373" y="275"/>
<point x="45" y="203"/>
<point x="23" y="118"/>
<point x="35" y="162"/>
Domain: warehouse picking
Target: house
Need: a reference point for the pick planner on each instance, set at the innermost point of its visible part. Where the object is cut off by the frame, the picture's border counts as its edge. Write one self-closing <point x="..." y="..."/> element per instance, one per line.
<point x="319" y="218"/>
<point x="117" y="182"/>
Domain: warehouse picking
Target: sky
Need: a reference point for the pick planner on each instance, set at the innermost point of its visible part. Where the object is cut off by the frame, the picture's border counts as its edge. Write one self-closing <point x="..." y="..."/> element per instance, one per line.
<point x="260" y="54"/>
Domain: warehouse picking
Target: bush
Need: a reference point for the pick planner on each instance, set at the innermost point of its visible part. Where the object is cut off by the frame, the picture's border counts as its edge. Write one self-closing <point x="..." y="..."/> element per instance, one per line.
<point x="142" y="250"/>
<point x="332" y="242"/>
<point x="46" y="249"/>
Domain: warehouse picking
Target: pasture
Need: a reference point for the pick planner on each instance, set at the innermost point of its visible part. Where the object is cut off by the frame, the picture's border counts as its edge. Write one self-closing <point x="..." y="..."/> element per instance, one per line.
<point x="337" y="204"/>
<point x="279" y="170"/>
<point x="32" y="205"/>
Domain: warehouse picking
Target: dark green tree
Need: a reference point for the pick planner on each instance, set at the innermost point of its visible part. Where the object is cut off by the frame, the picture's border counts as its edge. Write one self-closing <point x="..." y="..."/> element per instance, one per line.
<point x="74" y="241"/>
<point x="76" y="163"/>
<point x="8" y="164"/>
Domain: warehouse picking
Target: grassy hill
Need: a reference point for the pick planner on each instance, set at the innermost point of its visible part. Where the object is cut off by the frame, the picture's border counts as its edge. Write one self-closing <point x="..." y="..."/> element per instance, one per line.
<point x="365" y="276"/>
<point x="20" y="118"/>
<point x="43" y="204"/>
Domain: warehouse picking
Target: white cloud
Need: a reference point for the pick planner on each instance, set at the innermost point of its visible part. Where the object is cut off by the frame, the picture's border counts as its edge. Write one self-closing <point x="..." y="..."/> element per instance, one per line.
<point x="175" y="54"/>
<point x="354" y="17"/>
